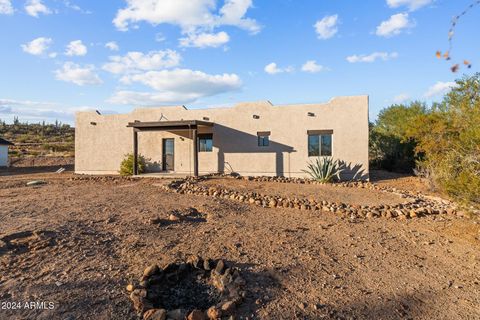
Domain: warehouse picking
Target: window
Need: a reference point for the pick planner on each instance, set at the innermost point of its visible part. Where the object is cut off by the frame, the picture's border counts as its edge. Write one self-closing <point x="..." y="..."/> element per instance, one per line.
<point x="205" y="142"/>
<point x="320" y="143"/>
<point x="263" y="138"/>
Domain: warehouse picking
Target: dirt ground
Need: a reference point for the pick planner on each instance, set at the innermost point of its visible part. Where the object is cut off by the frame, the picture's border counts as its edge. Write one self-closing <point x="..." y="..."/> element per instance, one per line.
<point x="79" y="243"/>
<point x="354" y="196"/>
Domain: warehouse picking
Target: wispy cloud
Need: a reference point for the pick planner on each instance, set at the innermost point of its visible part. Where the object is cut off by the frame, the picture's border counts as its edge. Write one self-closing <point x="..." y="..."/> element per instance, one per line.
<point x="28" y="110"/>
<point x="411" y="4"/>
<point x="401" y="98"/>
<point x="385" y="56"/>
<point x="439" y="88"/>
<point x="272" y="68"/>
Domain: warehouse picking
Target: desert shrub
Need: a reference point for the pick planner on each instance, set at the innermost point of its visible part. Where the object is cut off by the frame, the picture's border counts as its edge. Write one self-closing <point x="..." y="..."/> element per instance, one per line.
<point x="449" y="137"/>
<point x="126" y="167"/>
<point x="324" y="169"/>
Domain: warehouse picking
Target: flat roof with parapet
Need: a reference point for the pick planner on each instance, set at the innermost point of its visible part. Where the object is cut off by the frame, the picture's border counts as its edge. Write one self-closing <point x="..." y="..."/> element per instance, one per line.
<point x="169" y="125"/>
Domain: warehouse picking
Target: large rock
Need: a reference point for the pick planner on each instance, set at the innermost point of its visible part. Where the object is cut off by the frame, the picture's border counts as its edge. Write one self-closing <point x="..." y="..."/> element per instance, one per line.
<point x="155" y="314"/>
<point x="214" y="313"/>
<point x="228" y="307"/>
<point x="140" y="303"/>
<point x="196" y="315"/>
<point x="177" y="314"/>
<point x="151" y="270"/>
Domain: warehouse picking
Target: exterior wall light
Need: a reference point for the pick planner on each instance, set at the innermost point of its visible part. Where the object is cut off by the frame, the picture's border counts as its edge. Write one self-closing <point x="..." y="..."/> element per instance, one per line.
<point x="311" y="114"/>
<point x="206" y="118"/>
<point x="256" y="116"/>
<point x="93" y="123"/>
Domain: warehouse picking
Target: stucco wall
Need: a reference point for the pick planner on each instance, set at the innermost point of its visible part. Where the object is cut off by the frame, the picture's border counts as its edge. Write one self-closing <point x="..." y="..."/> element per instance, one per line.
<point x="3" y="156"/>
<point x="100" y="147"/>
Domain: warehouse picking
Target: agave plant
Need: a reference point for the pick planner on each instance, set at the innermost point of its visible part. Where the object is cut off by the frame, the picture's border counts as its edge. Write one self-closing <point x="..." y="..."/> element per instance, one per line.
<point x="324" y="169"/>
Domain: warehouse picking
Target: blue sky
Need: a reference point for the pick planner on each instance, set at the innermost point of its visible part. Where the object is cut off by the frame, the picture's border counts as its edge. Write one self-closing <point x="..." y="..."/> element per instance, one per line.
<point x="59" y="56"/>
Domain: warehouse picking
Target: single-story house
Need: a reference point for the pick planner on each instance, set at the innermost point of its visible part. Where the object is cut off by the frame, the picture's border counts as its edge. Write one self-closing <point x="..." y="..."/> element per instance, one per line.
<point x="256" y="139"/>
<point x="4" y="144"/>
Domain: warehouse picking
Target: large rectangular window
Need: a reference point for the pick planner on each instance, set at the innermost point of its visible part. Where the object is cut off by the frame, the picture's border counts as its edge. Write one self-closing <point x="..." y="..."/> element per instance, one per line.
<point x="205" y="142"/>
<point x="320" y="143"/>
<point x="263" y="138"/>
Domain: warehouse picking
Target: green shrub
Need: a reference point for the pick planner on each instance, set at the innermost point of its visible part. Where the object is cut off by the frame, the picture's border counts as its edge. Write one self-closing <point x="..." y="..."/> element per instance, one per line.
<point x="391" y="147"/>
<point x="126" y="167"/>
<point x="449" y="136"/>
<point x="324" y="169"/>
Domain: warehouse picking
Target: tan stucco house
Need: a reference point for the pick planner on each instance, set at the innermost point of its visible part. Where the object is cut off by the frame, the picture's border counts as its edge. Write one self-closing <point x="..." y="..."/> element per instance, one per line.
<point x="257" y="139"/>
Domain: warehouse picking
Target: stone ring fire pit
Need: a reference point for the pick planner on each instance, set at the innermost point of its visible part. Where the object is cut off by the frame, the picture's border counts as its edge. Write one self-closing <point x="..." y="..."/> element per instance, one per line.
<point x="199" y="289"/>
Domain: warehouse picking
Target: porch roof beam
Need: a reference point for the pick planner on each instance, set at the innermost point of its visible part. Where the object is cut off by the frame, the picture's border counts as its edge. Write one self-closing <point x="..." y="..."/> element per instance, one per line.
<point x="165" y="125"/>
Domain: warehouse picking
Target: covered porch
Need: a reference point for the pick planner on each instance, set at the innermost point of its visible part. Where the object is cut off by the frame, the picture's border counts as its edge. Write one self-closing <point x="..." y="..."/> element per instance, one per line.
<point x="191" y="126"/>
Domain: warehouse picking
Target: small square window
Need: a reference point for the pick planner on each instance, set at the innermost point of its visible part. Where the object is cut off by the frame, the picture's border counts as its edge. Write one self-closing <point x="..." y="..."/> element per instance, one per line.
<point x="263" y="138"/>
<point x="320" y="145"/>
<point x="205" y="142"/>
<point x="263" y="141"/>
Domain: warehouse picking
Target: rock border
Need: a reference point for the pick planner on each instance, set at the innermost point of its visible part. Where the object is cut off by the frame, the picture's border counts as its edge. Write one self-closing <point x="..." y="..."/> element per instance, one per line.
<point x="227" y="280"/>
<point x="417" y="204"/>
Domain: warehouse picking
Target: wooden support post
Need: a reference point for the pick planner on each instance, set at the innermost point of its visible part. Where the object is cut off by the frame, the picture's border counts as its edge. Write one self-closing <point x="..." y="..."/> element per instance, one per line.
<point x="195" y="152"/>
<point x="135" y="152"/>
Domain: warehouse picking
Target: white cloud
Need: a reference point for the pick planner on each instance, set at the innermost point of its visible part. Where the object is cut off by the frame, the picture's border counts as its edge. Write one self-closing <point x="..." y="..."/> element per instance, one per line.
<point x="75" y="7"/>
<point x="312" y="67"/>
<point x="394" y="25"/>
<point x="191" y="16"/>
<point x="272" y="68"/>
<point x="400" y="98"/>
<point x="327" y="27"/>
<point x="37" y="46"/>
<point x="76" y="48"/>
<point x="6" y="7"/>
<point x="159" y="37"/>
<point x="411" y="4"/>
<point x="35" y="7"/>
<point x="204" y="40"/>
<point x="175" y="86"/>
<point x="185" y="80"/>
<point x="385" y="56"/>
<point x="38" y="111"/>
<point x="74" y="73"/>
<point x="112" y="45"/>
<point x="139" y="61"/>
<point x="233" y="13"/>
<point x="439" y="88"/>
<point x="150" y="98"/>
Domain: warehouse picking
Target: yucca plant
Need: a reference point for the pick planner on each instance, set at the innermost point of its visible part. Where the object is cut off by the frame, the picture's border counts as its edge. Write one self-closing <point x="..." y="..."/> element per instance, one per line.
<point x="324" y="169"/>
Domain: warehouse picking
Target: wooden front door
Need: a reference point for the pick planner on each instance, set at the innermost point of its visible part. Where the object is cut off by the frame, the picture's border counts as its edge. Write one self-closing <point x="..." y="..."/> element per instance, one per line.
<point x="168" y="154"/>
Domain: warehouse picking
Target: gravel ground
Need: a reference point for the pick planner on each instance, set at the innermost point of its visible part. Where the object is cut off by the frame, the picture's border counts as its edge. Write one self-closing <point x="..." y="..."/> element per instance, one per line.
<point x="78" y="244"/>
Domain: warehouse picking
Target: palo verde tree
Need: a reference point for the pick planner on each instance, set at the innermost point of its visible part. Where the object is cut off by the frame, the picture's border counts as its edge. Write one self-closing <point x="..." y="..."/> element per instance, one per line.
<point x="391" y="148"/>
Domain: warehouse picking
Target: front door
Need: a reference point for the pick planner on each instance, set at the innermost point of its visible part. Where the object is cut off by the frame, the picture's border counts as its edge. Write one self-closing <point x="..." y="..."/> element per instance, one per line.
<point x="168" y="154"/>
